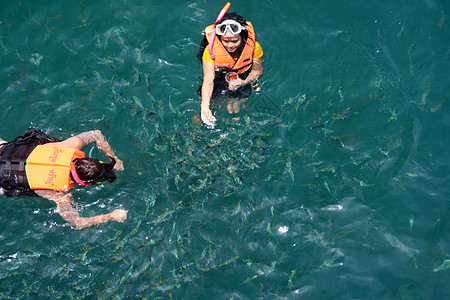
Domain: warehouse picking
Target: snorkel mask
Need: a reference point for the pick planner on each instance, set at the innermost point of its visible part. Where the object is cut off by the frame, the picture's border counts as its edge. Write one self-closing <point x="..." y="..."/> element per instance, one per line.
<point x="229" y="27"/>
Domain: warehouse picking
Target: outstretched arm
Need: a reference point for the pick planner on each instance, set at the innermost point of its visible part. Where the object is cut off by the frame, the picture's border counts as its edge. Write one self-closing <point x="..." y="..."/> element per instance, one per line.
<point x="207" y="90"/>
<point x="64" y="206"/>
<point x="85" y="138"/>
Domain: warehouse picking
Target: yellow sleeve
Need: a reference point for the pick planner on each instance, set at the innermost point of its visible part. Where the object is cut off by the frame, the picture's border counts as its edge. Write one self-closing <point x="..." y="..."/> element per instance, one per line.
<point x="258" y="51"/>
<point x="207" y="57"/>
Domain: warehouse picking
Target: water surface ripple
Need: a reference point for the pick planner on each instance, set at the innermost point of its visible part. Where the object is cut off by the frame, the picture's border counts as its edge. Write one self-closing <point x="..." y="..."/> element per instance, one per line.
<point x="332" y="185"/>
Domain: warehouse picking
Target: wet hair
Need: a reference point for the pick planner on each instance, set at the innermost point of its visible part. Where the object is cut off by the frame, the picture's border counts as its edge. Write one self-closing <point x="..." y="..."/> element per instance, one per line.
<point x="233" y="16"/>
<point x="91" y="170"/>
<point x="238" y="18"/>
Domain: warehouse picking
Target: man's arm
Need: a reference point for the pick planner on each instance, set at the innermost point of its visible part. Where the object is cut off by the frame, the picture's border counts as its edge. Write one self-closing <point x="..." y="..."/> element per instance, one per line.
<point x="64" y="206"/>
<point x="85" y="138"/>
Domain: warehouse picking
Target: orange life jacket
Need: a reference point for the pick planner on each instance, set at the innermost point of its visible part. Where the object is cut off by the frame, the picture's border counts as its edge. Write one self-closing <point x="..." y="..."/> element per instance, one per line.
<point x="223" y="59"/>
<point x="48" y="167"/>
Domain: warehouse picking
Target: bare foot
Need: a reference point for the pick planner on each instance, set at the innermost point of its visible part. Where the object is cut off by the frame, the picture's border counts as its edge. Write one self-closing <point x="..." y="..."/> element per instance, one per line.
<point x="230" y="105"/>
<point x="237" y="106"/>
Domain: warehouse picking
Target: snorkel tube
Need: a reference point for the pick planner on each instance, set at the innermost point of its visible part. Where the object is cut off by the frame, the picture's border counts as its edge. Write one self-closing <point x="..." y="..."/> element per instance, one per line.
<point x="76" y="178"/>
<point x="213" y="36"/>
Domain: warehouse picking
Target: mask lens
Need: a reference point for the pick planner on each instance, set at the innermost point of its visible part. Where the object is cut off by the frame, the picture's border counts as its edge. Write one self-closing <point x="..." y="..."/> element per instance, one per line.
<point x="221" y="29"/>
<point x="234" y="29"/>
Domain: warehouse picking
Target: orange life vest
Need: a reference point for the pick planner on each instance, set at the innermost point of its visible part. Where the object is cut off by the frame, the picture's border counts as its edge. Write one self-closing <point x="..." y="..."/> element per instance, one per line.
<point x="223" y="59"/>
<point x="48" y="167"/>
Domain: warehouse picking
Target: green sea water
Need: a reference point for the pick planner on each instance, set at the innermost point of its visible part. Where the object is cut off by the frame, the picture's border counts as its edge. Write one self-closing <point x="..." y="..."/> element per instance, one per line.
<point x="334" y="183"/>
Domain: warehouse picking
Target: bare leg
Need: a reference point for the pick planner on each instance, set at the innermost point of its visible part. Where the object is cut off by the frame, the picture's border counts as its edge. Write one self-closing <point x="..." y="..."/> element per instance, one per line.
<point x="230" y="104"/>
<point x="243" y="101"/>
<point x="237" y="105"/>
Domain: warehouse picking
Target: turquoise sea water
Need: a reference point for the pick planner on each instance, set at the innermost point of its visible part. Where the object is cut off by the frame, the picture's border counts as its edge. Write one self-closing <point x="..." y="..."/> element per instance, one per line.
<point x="332" y="185"/>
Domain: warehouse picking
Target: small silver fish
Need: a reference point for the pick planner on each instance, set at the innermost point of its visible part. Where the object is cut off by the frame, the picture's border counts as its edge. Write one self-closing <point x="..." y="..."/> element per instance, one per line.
<point x="445" y="265"/>
<point x="333" y="207"/>
<point x="397" y="244"/>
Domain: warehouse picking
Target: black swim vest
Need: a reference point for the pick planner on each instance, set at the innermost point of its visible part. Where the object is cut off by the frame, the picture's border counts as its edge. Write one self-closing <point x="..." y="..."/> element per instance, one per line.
<point x="12" y="169"/>
<point x="13" y="179"/>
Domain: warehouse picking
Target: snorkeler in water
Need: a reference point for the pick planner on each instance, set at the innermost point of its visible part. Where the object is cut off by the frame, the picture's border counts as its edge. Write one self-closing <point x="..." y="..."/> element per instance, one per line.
<point x="37" y="164"/>
<point x="232" y="60"/>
